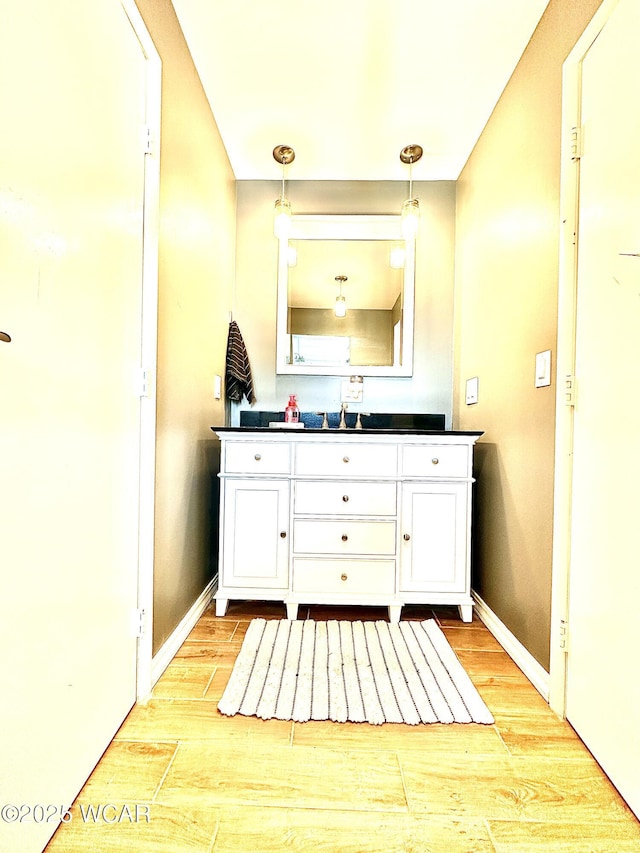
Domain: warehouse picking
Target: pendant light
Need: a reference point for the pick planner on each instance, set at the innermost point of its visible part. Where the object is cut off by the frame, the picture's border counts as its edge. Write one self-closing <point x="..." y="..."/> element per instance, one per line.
<point x="341" y="303"/>
<point x="284" y="155"/>
<point x="409" y="155"/>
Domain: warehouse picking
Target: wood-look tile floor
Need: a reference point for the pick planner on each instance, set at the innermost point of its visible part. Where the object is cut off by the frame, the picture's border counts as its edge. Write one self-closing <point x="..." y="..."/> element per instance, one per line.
<point x="213" y="783"/>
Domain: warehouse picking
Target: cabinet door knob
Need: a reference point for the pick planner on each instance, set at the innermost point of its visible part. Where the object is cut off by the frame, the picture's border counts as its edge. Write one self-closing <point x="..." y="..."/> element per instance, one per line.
<point x="344" y="537"/>
<point x="345" y="498"/>
<point x="257" y="457"/>
<point x="406" y="537"/>
<point x="345" y="458"/>
<point x="283" y="534"/>
<point x="343" y="577"/>
<point x="435" y="460"/>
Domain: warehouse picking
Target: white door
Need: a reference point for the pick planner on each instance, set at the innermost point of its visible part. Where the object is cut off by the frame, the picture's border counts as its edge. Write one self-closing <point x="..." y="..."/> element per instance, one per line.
<point x="72" y="104"/>
<point x="603" y="673"/>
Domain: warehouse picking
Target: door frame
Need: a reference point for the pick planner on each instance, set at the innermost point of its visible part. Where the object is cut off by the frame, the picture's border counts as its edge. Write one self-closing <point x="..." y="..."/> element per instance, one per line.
<point x="566" y="352"/>
<point x="150" y="140"/>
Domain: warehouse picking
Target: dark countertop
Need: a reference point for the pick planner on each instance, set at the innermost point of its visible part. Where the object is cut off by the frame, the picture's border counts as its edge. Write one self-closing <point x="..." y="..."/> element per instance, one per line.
<point x="373" y="423"/>
<point x="342" y="433"/>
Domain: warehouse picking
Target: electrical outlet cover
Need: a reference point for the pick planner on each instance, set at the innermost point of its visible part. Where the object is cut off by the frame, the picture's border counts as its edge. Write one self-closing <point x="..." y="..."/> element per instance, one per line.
<point x="472" y="391"/>
<point x="351" y="392"/>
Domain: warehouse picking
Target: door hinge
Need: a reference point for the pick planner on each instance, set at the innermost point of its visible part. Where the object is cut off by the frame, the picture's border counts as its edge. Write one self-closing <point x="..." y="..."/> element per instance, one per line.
<point x="569" y="390"/>
<point x="576" y="143"/>
<point x="147" y="140"/>
<point x="138" y="622"/>
<point x="143" y="382"/>
<point x="564" y="635"/>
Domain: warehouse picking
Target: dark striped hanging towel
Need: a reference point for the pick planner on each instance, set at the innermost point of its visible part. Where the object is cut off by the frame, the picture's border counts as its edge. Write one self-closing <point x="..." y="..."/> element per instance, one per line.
<point x="238" y="381"/>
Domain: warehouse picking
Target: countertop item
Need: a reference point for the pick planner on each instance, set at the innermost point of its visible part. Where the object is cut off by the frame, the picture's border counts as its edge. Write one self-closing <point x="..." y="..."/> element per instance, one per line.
<point x="369" y="420"/>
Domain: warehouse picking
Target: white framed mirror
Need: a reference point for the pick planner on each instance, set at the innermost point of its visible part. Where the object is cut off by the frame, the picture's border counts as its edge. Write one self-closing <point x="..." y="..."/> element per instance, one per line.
<point x="377" y="271"/>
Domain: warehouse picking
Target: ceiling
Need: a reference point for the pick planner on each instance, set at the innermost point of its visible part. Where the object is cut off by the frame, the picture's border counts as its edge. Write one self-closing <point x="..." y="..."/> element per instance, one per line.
<point x="349" y="84"/>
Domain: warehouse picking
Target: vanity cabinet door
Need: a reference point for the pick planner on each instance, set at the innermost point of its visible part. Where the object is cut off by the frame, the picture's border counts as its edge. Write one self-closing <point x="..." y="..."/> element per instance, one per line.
<point x="433" y="538"/>
<point x="255" y="553"/>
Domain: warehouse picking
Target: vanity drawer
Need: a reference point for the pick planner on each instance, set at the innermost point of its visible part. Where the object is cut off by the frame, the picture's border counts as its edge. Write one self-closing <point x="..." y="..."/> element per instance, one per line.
<point x="257" y="458"/>
<point x="344" y="537"/>
<point x="436" y="460"/>
<point x="350" y="577"/>
<point x="326" y="497"/>
<point x="347" y="459"/>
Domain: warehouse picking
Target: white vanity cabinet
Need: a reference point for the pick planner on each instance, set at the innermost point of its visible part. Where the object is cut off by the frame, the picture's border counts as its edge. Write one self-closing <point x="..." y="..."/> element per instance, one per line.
<point x="345" y="517"/>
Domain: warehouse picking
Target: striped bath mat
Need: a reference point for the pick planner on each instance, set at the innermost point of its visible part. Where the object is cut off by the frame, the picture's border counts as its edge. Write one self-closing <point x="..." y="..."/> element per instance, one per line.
<point x="372" y="672"/>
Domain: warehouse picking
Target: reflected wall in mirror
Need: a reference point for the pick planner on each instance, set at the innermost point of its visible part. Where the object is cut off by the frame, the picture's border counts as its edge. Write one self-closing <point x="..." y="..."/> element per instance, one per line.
<point x="364" y="260"/>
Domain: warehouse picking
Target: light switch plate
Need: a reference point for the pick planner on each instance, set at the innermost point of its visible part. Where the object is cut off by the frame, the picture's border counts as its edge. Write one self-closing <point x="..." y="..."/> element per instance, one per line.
<point x="217" y="387"/>
<point x="472" y="391"/>
<point x="543" y="368"/>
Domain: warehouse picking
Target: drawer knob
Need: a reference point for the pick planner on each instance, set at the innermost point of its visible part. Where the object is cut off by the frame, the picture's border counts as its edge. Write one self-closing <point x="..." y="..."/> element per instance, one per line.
<point x="435" y="460"/>
<point x="283" y="534"/>
<point x="345" y="458"/>
<point x="257" y="457"/>
<point x="406" y="537"/>
<point x="345" y="498"/>
<point x="343" y="577"/>
<point x="344" y="537"/>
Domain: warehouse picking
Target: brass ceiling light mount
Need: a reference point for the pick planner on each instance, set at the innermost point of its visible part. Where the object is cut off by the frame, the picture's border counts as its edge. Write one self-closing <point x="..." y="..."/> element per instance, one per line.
<point x="409" y="155"/>
<point x="285" y="155"/>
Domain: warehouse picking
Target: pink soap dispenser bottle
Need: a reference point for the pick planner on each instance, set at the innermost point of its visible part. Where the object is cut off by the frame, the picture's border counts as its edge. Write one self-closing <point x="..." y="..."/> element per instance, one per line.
<point x="292" y="413"/>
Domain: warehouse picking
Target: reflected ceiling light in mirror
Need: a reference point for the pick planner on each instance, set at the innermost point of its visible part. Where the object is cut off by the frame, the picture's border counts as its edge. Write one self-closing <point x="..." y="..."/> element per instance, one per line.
<point x="396" y="257"/>
<point x="409" y="155"/>
<point x="284" y="155"/>
<point x="341" y="303"/>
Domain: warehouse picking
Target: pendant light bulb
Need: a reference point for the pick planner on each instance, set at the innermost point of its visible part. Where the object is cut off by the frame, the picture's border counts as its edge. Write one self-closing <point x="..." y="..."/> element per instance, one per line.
<point x="410" y="218"/>
<point x="340" y="308"/>
<point x="282" y="219"/>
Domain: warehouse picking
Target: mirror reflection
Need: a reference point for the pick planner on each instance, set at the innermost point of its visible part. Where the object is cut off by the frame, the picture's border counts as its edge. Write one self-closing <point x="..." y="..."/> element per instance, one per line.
<point x="345" y="297"/>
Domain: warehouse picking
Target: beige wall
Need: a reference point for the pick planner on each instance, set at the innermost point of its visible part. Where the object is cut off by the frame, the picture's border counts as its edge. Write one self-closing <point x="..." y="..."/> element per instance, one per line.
<point x="507" y="243"/>
<point x="197" y="237"/>
<point x="430" y="388"/>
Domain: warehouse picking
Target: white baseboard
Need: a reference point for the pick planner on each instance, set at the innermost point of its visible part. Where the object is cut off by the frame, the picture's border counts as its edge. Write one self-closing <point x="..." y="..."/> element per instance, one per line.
<point x="536" y="673"/>
<point x="167" y="651"/>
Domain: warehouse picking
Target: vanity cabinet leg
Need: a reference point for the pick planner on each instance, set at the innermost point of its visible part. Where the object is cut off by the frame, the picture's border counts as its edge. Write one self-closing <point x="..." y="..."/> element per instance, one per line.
<point x="221" y="606"/>
<point x="394" y="613"/>
<point x="292" y="610"/>
<point x="466" y="612"/>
